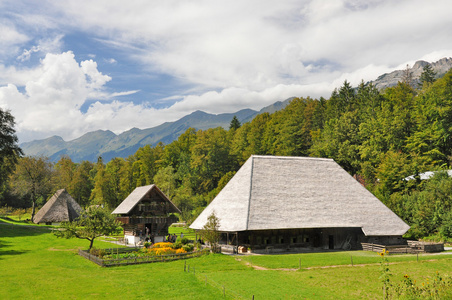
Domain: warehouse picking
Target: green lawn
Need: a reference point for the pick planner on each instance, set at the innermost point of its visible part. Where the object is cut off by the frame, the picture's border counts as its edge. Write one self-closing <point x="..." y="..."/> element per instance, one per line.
<point x="35" y="264"/>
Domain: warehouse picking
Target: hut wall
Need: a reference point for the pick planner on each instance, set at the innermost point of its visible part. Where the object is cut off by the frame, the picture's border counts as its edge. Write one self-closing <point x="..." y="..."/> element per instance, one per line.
<point x="320" y="238"/>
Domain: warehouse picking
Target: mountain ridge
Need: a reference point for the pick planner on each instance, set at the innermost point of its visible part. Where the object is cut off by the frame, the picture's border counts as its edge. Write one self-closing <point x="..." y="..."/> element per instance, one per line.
<point x="109" y="145"/>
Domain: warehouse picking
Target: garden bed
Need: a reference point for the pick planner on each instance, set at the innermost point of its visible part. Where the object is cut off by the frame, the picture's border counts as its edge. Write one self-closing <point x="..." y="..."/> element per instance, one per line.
<point x="133" y="256"/>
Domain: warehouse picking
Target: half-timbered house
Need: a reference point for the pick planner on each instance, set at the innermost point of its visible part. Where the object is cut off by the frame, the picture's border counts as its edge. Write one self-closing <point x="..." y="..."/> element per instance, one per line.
<point x="146" y="212"/>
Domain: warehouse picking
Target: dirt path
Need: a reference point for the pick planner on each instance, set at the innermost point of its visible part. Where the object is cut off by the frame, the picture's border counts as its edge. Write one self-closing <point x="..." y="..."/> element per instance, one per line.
<point x="248" y="264"/>
<point x="260" y="268"/>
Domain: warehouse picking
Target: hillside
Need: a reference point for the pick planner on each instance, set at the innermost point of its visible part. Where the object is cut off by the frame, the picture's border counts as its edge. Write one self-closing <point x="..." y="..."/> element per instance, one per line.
<point x="109" y="145"/>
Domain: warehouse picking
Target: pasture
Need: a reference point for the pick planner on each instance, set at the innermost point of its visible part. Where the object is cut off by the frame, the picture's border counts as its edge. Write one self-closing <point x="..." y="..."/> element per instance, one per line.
<point x="35" y="264"/>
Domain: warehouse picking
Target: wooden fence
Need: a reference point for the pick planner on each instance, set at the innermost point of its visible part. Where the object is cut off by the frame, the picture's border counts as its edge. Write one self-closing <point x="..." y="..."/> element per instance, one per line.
<point x="137" y="260"/>
<point x="411" y="247"/>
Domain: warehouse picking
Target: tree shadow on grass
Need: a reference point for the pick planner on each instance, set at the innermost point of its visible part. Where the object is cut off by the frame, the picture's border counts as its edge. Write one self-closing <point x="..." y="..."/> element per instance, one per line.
<point x="11" y="231"/>
<point x="4" y="252"/>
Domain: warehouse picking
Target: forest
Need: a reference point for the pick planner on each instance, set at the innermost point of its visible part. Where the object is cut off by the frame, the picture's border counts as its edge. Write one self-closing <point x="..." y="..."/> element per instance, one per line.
<point x="379" y="137"/>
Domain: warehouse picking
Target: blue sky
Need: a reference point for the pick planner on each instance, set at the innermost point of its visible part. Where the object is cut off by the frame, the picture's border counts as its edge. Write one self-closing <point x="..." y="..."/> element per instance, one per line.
<point x="73" y="66"/>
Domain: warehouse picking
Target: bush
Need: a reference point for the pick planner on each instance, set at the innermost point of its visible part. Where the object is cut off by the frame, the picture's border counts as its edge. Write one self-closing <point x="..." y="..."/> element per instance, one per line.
<point x="98" y="252"/>
<point x="188" y="248"/>
<point x="177" y="245"/>
<point x="183" y="240"/>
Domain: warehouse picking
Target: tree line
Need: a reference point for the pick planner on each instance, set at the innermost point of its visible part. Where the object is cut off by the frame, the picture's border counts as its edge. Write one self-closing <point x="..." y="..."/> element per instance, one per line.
<point x="380" y="137"/>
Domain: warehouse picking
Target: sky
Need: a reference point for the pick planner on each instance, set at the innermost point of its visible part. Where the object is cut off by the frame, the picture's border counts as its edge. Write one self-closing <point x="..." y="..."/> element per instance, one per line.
<point x="68" y="67"/>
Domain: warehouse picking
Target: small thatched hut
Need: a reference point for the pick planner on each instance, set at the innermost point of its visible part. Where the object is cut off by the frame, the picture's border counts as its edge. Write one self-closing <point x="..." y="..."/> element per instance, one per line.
<point x="61" y="207"/>
<point x="146" y="212"/>
<point x="300" y="203"/>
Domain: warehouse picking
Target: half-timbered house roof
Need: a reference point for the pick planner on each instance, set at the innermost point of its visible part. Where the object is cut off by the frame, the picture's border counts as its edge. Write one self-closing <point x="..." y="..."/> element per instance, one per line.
<point x="138" y="195"/>
<point x="274" y="192"/>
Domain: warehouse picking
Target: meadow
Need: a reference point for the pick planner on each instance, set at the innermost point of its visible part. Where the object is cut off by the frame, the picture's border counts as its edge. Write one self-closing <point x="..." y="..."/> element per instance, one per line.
<point x="35" y="264"/>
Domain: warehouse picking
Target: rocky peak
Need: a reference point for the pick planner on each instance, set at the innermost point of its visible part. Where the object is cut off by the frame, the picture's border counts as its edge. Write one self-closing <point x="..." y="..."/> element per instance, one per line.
<point x="391" y="79"/>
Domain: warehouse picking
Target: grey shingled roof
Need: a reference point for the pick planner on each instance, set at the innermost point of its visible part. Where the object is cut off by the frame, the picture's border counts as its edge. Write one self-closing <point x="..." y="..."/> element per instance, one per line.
<point x="274" y="192"/>
<point x="135" y="197"/>
<point x="61" y="207"/>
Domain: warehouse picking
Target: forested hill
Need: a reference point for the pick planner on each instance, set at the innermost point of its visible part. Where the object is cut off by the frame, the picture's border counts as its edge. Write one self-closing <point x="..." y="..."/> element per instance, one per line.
<point x="109" y="145"/>
<point x="379" y="136"/>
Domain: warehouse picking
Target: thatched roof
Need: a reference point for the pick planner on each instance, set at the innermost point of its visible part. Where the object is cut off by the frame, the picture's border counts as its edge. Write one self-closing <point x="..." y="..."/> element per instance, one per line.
<point x="139" y="194"/>
<point x="271" y="192"/>
<point x="61" y="207"/>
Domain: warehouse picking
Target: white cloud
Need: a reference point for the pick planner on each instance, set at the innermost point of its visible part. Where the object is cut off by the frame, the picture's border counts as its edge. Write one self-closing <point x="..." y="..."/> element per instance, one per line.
<point x="10" y="40"/>
<point x="45" y="46"/>
<point x="258" y="44"/>
<point x="232" y="55"/>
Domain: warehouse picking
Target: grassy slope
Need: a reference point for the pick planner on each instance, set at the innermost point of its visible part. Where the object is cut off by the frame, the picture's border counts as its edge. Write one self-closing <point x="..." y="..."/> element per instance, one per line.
<point x="37" y="265"/>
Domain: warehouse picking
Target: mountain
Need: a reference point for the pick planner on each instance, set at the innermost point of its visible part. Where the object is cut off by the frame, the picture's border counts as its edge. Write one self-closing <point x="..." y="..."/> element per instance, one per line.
<point x="109" y="145"/>
<point x="391" y="79"/>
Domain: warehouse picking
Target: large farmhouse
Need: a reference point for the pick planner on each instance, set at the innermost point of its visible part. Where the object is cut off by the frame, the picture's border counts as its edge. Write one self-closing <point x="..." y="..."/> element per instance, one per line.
<point x="61" y="207"/>
<point x="146" y="212"/>
<point x="300" y="202"/>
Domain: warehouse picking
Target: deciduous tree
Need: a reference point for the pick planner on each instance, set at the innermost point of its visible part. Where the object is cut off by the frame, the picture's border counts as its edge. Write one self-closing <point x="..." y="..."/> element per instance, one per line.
<point x="94" y="222"/>
<point x="210" y="231"/>
<point x="33" y="178"/>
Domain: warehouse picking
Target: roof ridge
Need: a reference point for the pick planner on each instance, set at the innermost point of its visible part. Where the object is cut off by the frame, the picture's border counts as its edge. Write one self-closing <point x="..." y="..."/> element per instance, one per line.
<point x="292" y="157"/>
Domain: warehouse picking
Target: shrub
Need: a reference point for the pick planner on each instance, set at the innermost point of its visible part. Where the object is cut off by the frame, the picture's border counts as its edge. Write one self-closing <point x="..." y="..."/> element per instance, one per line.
<point x="183" y="240"/>
<point x="98" y="252"/>
<point x="188" y="248"/>
<point x="177" y="245"/>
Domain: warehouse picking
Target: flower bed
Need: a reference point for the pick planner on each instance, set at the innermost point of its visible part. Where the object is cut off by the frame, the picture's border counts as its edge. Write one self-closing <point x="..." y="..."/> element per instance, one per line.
<point x="159" y="252"/>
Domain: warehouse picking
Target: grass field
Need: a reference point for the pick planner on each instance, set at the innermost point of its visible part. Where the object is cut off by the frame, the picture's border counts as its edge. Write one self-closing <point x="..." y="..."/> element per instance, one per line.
<point x="35" y="264"/>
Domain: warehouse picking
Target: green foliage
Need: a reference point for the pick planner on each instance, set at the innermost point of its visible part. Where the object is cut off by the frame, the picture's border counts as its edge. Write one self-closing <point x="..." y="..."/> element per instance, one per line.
<point x="235" y="123"/>
<point x="440" y="287"/>
<point x="427" y="75"/>
<point x="445" y="228"/>
<point x="385" y="274"/>
<point x="210" y="231"/>
<point x="183" y="240"/>
<point x="98" y="252"/>
<point x="33" y="179"/>
<point x="188" y="247"/>
<point x="92" y="223"/>
<point x="9" y="151"/>
<point x="380" y="136"/>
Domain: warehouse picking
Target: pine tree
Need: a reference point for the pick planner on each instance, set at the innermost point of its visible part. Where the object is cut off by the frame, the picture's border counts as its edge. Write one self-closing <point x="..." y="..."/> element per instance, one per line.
<point x="428" y="75"/>
<point x="235" y="124"/>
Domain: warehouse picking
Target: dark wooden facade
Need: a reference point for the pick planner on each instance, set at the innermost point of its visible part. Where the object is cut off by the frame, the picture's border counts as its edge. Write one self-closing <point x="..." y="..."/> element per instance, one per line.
<point x="150" y="216"/>
<point x="299" y="239"/>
